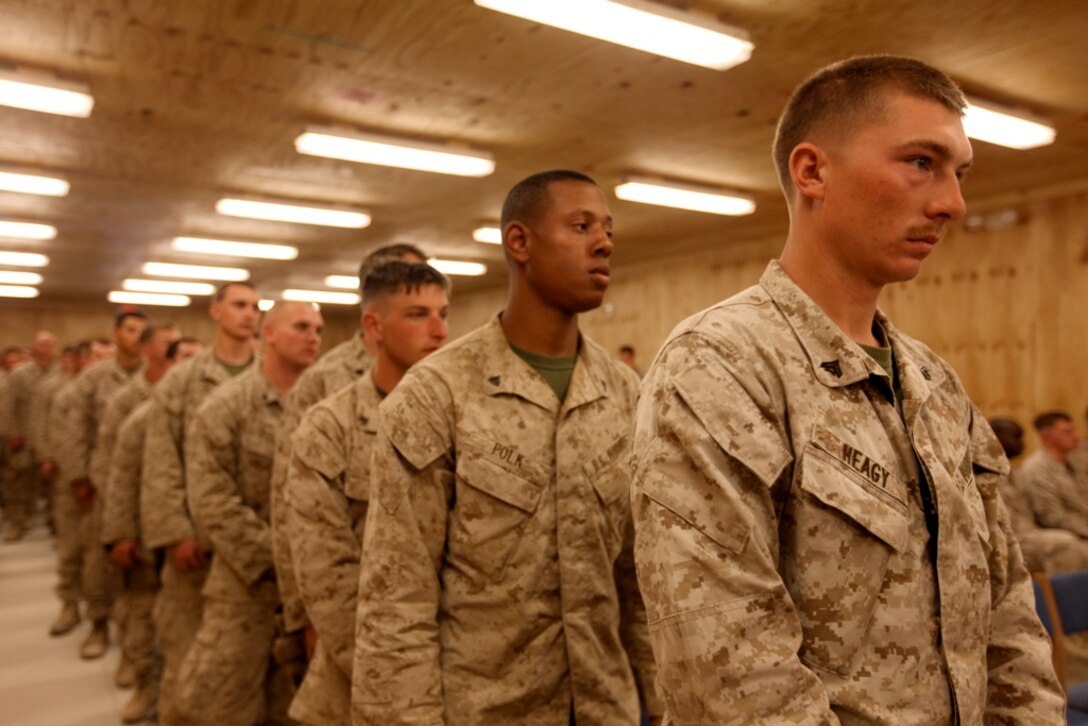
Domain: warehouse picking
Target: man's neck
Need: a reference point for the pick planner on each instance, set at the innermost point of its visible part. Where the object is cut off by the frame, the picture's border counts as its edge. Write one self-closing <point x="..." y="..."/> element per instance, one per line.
<point x="281" y="375"/>
<point x="386" y="373"/>
<point x="850" y="303"/>
<point x="1056" y="454"/>
<point x="537" y="327"/>
<point x="127" y="361"/>
<point x="154" y="371"/>
<point x="232" y="351"/>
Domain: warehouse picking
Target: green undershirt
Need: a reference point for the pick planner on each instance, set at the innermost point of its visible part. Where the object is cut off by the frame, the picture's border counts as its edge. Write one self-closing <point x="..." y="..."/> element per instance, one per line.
<point x="233" y="370"/>
<point x="556" y="370"/>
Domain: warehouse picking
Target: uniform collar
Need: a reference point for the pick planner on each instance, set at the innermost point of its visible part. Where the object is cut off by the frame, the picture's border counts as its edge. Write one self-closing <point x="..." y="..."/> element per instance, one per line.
<point x="358" y="360"/>
<point x="367" y="399"/>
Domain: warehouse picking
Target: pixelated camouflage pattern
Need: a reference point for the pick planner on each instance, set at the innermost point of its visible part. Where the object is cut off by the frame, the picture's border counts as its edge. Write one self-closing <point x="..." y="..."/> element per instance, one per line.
<point x="121" y="511"/>
<point x="1078" y="459"/>
<point x="178" y="611"/>
<point x="41" y="406"/>
<point x="18" y="414"/>
<point x="1059" y="493"/>
<point x="340" y="367"/>
<point x="325" y="499"/>
<point x="498" y="585"/>
<point x="780" y="538"/>
<point x="120" y="405"/>
<point x="95" y="388"/>
<point x="66" y="512"/>
<point x="1045" y="550"/>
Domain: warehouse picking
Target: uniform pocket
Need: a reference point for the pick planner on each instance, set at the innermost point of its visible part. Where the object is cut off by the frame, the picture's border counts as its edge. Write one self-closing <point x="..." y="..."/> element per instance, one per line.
<point x="493" y="507"/>
<point x="837" y="535"/>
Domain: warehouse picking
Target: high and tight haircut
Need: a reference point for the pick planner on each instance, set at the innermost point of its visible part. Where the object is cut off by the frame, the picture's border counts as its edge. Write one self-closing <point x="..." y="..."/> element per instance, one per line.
<point x="525" y="199"/>
<point x="83" y="348"/>
<point x="846" y="93"/>
<point x="125" y="315"/>
<point x="152" y="330"/>
<point x="1045" y="420"/>
<point x="222" y="291"/>
<point x="1005" y="424"/>
<point x="70" y="350"/>
<point x="388" y="253"/>
<point x="628" y="349"/>
<point x="397" y="276"/>
<point x="172" y="349"/>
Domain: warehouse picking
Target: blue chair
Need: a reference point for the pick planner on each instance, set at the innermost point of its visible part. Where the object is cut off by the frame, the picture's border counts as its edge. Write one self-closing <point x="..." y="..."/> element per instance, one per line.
<point x="1062" y="604"/>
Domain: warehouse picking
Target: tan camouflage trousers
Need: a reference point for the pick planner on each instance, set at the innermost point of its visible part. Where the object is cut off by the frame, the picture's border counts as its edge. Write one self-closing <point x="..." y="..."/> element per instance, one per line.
<point x="136" y="601"/>
<point x="100" y="579"/>
<point x="66" y="518"/>
<point x="20" y="480"/>
<point x="229" y="677"/>
<point x="176" y="617"/>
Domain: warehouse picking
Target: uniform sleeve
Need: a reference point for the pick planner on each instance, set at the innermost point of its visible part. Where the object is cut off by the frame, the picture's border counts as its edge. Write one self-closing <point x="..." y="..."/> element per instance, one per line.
<point x="58" y="429"/>
<point x="1050" y="507"/>
<point x="324" y="551"/>
<point x="120" y="510"/>
<point x="396" y="678"/>
<point x="710" y="454"/>
<point x="1022" y="687"/>
<point x="82" y="427"/>
<point x="105" y="441"/>
<point x="39" y="408"/>
<point x="238" y="535"/>
<point x="294" y="612"/>
<point x="633" y="629"/>
<point x="164" y="514"/>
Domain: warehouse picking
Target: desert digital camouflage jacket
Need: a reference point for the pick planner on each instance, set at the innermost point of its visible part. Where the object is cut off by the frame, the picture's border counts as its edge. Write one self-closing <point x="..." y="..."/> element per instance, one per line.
<point x="41" y="406"/>
<point x="121" y="506"/>
<point x="325" y="501"/>
<point x="18" y="414"/>
<point x="340" y="367"/>
<point x="228" y="478"/>
<point x="781" y="543"/>
<point x="497" y="584"/>
<point x="96" y="387"/>
<point x="1059" y="493"/>
<point x="124" y="400"/>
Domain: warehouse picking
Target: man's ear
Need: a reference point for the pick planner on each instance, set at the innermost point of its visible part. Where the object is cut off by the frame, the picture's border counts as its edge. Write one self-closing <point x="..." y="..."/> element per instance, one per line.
<point x="808" y="170"/>
<point x="515" y="240"/>
<point x="372" y="324"/>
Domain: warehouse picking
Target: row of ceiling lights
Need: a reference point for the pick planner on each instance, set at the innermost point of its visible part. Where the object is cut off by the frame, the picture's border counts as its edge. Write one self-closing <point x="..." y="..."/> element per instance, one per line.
<point x="633" y="23"/>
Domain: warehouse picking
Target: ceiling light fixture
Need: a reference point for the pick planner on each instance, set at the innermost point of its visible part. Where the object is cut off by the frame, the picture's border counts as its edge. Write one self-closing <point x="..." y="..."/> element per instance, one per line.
<point x="321" y="296"/>
<point x="18" y="277"/>
<point x="196" y="272"/>
<point x="23" y="259"/>
<point x="487" y="235"/>
<point x="26" y="230"/>
<point x="265" y="305"/>
<point x="147" y="298"/>
<point x="457" y="267"/>
<point x="994" y="124"/>
<point x="18" y="291"/>
<point x="295" y="213"/>
<point x="47" y="186"/>
<point x="640" y="25"/>
<point x="230" y="248"/>
<point x="40" y="92"/>
<point x="343" y="282"/>
<point x="388" y="151"/>
<point x="168" y="287"/>
<point x="685" y="196"/>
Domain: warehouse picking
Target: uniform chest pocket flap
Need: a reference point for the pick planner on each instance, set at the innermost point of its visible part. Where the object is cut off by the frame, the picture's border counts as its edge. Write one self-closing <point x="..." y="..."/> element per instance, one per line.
<point x="357" y="473"/>
<point x="493" y="507"/>
<point x="258" y="444"/>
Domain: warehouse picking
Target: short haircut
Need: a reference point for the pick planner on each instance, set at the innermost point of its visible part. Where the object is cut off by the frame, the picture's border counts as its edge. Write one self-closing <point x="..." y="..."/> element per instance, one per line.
<point x="172" y="349"/>
<point x="1007" y="425"/>
<point x="222" y="291"/>
<point x="524" y="201"/>
<point x="630" y="349"/>
<point x="125" y="315"/>
<point x="394" y="277"/>
<point x="102" y="341"/>
<point x="1045" y="420"/>
<point x="69" y="350"/>
<point x="152" y="330"/>
<point x="843" y="94"/>
<point x="388" y="253"/>
<point x="83" y="348"/>
<point x="9" y="350"/>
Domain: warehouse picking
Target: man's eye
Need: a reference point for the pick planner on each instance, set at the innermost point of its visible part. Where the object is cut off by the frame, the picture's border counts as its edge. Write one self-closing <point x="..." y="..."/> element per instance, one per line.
<point x="923" y="163"/>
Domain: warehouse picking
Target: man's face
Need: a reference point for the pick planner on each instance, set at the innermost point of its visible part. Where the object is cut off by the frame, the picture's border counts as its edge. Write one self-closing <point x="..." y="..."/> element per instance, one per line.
<point x="12" y="359"/>
<point x="1061" y="436"/>
<point x="155" y="349"/>
<point x="295" y="336"/>
<point x="101" y="351"/>
<point x="44" y="350"/>
<point x="237" y="313"/>
<point x="891" y="187"/>
<point x="187" y="351"/>
<point x="409" y="326"/>
<point x="1012" y="440"/>
<point x="127" y="335"/>
<point x="569" y="243"/>
<point x="69" y="361"/>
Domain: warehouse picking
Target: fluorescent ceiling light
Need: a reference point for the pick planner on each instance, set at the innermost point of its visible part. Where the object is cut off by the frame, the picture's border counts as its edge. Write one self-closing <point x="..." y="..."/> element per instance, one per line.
<point x="17" y="277"/>
<point x="196" y="272"/>
<point x="685" y="196"/>
<point x="457" y="267"/>
<point x="35" y="92"/>
<point x="26" y="230"/>
<point x="387" y="151"/>
<point x="48" y="186"/>
<point x="640" y="25"/>
<point x="1017" y="130"/>
<point x="265" y="305"/>
<point x="18" y="291"/>
<point x="147" y="298"/>
<point x="344" y="282"/>
<point x="168" y="286"/>
<point x="322" y="296"/>
<point x="296" y="213"/>
<point x="23" y="259"/>
<point x="488" y="235"/>
<point x="230" y="248"/>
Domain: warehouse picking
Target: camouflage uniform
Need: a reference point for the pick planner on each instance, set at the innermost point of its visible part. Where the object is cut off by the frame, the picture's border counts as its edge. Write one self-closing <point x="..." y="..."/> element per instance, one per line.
<point x="781" y="541"/>
<point x="225" y="677"/>
<point x="325" y="503"/>
<point x="1045" y="550"/>
<point x="95" y="387"/>
<point x="1078" y="459"/>
<point x="164" y="515"/>
<point x="498" y="585"/>
<point x="120" y="520"/>
<point x="1059" y="494"/>
<point x="41" y="436"/>
<point x="22" y="488"/>
<point x="341" y="366"/>
<point x="67" y="514"/>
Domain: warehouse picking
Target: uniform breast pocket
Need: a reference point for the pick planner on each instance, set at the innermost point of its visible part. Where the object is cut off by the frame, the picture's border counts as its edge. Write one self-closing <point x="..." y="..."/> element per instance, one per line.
<point x="612" y="483"/>
<point x="255" y="466"/>
<point x="493" y="508"/>
<point x="837" y="536"/>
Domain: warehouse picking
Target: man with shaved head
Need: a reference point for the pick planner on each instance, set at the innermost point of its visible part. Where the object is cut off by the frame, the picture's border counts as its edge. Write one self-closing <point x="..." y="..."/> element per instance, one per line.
<point x="226" y="677"/>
